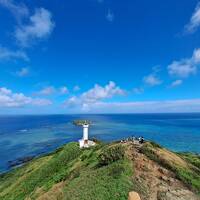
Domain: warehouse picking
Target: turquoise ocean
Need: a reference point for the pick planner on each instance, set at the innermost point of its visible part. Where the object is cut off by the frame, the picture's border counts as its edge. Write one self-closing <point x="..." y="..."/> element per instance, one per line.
<point x="22" y="136"/>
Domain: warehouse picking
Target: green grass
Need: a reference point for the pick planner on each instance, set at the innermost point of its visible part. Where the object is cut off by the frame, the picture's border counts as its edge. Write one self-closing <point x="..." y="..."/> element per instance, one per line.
<point x="155" y="145"/>
<point x="96" y="182"/>
<point x="194" y="159"/>
<point x="79" y="169"/>
<point x="51" y="172"/>
<point x="111" y="154"/>
<point x="109" y="182"/>
<point x="189" y="177"/>
<point x="98" y="173"/>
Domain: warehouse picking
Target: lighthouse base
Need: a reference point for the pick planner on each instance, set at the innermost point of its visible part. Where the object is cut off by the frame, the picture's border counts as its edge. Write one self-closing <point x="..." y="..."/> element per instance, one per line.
<point x="86" y="143"/>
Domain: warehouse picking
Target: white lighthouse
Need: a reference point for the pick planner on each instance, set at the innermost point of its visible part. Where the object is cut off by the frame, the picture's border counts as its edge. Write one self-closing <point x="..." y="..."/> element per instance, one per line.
<point x="85" y="142"/>
<point x="85" y="132"/>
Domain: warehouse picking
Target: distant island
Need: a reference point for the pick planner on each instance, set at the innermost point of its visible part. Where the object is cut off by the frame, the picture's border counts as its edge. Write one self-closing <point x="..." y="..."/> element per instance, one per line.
<point x="122" y="170"/>
<point x="81" y="122"/>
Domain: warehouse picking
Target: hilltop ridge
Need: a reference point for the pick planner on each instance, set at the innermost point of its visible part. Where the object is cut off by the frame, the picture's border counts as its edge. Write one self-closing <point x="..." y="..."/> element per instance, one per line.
<point x="105" y="172"/>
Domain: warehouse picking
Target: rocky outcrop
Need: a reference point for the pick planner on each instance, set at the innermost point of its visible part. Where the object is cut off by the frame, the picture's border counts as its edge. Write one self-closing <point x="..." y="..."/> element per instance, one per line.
<point x="133" y="196"/>
<point x="180" y="194"/>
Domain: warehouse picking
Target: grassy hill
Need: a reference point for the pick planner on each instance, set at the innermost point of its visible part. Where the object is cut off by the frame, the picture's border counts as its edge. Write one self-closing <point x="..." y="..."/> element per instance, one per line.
<point x="105" y="172"/>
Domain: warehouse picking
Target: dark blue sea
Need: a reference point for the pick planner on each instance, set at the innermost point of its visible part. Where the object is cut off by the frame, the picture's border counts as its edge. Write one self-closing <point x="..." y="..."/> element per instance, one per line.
<point x="22" y="136"/>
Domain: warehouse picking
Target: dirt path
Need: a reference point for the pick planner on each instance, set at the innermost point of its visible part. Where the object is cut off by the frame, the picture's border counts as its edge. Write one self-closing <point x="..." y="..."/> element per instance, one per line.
<point x="154" y="182"/>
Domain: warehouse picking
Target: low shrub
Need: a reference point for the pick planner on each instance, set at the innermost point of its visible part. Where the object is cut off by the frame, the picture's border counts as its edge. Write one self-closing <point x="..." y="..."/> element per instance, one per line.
<point x="111" y="154"/>
<point x="61" y="176"/>
<point x="194" y="159"/>
<point x="116" y="170"/>
<point x="155" y="144"/>
<point x="97" y="141"/>
<point x="83" y="157"/>
<point x="75" y="173"/>
<point x="190" y="178"/>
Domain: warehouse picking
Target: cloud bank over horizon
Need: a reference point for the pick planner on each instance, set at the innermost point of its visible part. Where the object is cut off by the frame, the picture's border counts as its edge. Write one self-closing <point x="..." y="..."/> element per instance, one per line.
<point x="10" y="99"/>
<point x="165" y="106"/>
<point x="95" y="101"/>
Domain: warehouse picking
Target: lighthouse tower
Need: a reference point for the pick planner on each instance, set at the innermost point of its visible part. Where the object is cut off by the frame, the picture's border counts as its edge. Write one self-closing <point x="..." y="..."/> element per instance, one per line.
<point x="85" y="142"/>
<point x="85" y="132"/>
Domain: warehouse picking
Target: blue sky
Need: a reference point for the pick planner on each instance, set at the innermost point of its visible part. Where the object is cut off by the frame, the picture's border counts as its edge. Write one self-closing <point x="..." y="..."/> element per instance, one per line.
<point x="99" y="56"/>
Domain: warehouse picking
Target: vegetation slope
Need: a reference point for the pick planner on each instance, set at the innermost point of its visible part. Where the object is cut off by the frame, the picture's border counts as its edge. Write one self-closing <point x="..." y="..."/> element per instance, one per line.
<point x="105" y="172"/>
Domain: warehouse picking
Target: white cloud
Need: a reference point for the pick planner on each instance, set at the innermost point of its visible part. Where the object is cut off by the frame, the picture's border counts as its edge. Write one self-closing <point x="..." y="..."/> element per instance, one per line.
<point x="18" y="10"/>
<point x="154" y="106"/>
<point x="39" y="27"/>
<point x="10" y="99"/>
<point x="29" y="28"/>
<point x="170" y="106"/>
<point x="41" y="102"/>
<point x="76" y="88"/>
<point x="50" y="90"/>
<point x="99" y="93"/>
<point x="7" y="54"/>
<point x="47" y="91"/>
<point x="5" y="91"/>
<point x="185" y="67"/>
<point x="194" y="23"/>
<point x="182" y="69"/>
<point x="94" y="101"/>
<point x="25" y="71"/>
<point x="196" y="56"/>
<point x="64" y="90"/>
<point x="176" y="83"/>
<point x="94" y="95"/>
<point x="73" y="102"/>
<point x="152" y="80"/>
<point x="110" y="16"/>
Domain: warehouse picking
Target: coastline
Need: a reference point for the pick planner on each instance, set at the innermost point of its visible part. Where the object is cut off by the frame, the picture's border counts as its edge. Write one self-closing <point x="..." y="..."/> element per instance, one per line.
<point x="179" y="133"/>
<point x="19" y="162"/>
